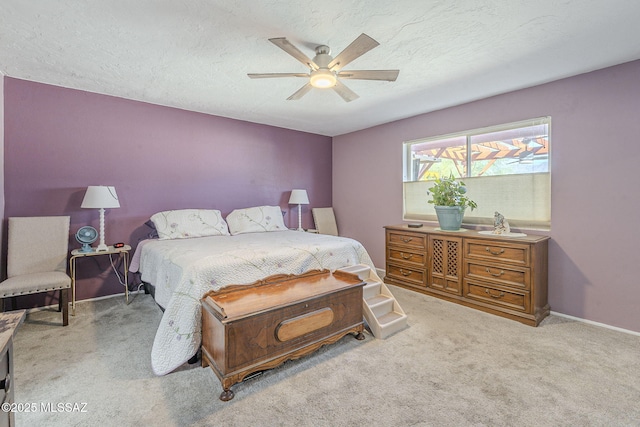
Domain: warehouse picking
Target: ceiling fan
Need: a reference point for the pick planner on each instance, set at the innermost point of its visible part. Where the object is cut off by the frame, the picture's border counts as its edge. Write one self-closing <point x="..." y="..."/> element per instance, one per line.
<point x="325" y="71"/>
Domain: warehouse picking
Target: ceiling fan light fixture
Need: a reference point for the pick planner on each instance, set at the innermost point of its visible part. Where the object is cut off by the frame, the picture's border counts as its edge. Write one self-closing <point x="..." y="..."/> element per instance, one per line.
<point x="322" y="79"/>
<point x="325" y="71"/>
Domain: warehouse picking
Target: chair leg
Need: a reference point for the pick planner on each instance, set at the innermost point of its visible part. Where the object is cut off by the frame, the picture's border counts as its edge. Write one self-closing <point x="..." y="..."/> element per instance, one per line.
<point x="8" y="304"/>
<point x="64" y="301"/>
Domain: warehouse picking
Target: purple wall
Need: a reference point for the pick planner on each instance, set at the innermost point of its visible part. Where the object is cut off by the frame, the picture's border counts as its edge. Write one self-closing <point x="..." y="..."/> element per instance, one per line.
<point x="58" y="141"/>
<point x="162" y="158"/>
<point x="595" y="135"/>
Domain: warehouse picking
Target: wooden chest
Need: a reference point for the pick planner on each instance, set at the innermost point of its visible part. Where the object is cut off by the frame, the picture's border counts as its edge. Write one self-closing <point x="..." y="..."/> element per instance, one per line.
<point x="247" y="329"/>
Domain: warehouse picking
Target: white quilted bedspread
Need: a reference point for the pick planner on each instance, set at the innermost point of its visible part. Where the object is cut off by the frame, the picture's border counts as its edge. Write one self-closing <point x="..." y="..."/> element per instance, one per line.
<point x="184" y="270"/>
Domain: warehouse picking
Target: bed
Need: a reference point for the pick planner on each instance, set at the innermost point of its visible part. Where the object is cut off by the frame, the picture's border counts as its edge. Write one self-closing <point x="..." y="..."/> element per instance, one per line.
<point x="185" y="266"/>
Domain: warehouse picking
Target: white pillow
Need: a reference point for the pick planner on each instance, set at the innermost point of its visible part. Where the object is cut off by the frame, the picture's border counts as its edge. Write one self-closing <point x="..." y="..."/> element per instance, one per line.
<point x="256" y="220"/>
<point x="186" y="223"/>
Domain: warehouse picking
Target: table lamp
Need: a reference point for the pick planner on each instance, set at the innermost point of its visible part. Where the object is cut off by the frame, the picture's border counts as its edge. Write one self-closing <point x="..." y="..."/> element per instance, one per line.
<point x="100" y="197"/>
<point x="299" y="197"/>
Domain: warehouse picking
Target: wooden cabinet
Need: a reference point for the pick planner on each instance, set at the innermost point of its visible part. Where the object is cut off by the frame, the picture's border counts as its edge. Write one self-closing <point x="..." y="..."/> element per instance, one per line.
<point x="9" y="322"/>
<point x="499" y="275"/>
<point x="445" y="264"/>
<point x="247" y="329"/>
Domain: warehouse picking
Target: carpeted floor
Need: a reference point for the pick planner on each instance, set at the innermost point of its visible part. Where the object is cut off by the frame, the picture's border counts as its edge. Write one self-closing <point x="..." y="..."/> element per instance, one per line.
<point x="453" y="366"/>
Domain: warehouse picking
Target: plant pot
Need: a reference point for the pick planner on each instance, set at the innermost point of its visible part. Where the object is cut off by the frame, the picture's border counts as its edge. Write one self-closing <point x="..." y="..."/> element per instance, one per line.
<point x="450" y="217"/>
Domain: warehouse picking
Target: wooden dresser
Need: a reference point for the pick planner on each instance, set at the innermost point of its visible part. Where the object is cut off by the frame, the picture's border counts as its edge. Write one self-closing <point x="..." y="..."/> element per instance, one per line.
<point x="247" y="329"/>
<point x="505" y="276"/>
<point x="9" y="322"/>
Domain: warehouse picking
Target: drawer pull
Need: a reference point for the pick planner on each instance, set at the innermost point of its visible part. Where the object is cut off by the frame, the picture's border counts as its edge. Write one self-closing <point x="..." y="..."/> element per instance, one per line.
<point x="501" y="251"/>
<point x="407" y="239"/>
<point x="500" y="295"/>
<point x="406" y="257"/>
<point x="493" y="274"/>
<point x="405" y="273"/>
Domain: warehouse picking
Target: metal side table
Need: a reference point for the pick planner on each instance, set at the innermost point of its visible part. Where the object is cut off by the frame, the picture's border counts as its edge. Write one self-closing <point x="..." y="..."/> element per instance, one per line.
<point x="76" y="253"/>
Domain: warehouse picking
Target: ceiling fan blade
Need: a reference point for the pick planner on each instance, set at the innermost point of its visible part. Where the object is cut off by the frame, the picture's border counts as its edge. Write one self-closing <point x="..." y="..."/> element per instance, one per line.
<point x="300" y="92"/>
<point x="347" y="94"/>
<point x="285" y="45"/>
<point x="270" y="75"/>
<point x="388" y="75"/>
<point x="357" y="48"/>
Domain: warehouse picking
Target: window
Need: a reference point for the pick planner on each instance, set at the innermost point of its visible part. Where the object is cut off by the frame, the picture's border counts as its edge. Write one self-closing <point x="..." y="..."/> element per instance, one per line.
<point x="506" y="168"/>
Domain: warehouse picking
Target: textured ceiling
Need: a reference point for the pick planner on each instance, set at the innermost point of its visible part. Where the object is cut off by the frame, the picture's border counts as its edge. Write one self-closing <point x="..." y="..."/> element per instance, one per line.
<point x="195" y="54"/>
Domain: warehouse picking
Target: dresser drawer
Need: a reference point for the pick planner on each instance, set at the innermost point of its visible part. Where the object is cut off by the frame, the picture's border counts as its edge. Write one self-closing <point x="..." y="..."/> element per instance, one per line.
<point x="509" y="276"/>
<point x="407" y="239"/>
<point x="496" y="251"/>
<point x="402" y="256"/>
<point x="409" y="275"/>
<point x="498" y="296"/>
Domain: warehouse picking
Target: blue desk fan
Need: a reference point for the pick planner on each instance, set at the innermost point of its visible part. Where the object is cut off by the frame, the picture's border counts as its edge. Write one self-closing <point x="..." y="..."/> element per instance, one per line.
<point x="86" y="236"/>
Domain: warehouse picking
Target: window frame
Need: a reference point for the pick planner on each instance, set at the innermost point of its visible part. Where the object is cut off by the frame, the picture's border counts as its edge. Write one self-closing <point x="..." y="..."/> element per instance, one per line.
<point x="408" y="171"/>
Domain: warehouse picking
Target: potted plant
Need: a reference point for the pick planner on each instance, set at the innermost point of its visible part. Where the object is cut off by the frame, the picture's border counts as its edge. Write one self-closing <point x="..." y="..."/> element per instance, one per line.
<point x="450" y="201"/>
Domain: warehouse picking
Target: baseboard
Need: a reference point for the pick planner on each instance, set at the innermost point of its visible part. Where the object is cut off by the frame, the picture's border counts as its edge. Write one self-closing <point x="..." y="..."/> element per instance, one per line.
<point x="55" y="306"/>
<point x="383" y="273"/>
<point x="591" y="322"/>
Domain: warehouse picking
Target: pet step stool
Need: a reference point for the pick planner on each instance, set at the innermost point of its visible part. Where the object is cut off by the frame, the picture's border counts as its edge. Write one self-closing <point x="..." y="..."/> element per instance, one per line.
<point x="380" y="309"/>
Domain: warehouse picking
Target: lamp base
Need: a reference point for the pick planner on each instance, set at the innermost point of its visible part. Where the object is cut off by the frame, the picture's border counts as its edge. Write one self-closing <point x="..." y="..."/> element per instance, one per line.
<point x="299" y="218"/>
<point x="102" y="248"/>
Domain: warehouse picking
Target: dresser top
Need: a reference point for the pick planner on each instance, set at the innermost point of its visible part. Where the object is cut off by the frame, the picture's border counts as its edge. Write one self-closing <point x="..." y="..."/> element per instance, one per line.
<point x="465" y="232"/>
<point x="9" y="322"/>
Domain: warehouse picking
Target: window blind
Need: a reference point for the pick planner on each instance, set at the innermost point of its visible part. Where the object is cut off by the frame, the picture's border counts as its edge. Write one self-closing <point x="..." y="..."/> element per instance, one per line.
<point x="524" y="200"/>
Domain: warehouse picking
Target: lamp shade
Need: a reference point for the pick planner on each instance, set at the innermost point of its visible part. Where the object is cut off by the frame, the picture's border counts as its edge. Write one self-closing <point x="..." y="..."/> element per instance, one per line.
<point x="299" y="197"/>
<point x="100" y="196"/>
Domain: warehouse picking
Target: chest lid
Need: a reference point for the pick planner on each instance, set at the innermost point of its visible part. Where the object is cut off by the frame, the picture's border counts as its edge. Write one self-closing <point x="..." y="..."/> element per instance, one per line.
<point x="238" y="301"/>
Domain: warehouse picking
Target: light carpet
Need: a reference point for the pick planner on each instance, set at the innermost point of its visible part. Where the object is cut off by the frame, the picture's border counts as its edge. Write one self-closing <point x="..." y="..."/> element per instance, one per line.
<point x="453" y="366"/>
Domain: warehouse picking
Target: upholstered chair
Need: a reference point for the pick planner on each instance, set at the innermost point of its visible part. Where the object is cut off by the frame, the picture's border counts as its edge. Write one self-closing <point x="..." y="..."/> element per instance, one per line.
<point x="37" y="259"/>
<point x="325" y="221"/>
